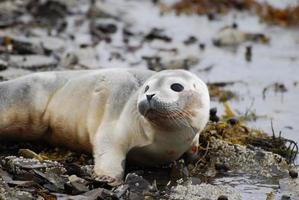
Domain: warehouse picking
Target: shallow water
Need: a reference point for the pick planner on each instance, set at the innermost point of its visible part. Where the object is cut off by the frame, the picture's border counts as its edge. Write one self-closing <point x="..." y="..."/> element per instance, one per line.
<point x="250" y="188"/>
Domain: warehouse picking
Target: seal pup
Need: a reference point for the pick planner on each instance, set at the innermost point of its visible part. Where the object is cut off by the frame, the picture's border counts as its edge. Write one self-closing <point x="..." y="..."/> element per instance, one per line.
<point x="142" y="116"/>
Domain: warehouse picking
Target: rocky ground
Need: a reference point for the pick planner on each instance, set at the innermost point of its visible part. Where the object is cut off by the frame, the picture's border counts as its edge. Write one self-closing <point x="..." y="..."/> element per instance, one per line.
<point x="44" y="35"/>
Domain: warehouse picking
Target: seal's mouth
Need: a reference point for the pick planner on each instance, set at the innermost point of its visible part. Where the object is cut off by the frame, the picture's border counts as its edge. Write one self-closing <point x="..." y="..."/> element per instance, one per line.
<point x="155" y="114"/>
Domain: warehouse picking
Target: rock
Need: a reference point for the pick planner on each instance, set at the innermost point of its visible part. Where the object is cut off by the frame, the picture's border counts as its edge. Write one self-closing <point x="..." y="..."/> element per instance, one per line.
<point x="232" y="36"/>
<point x="32" y="62"/>
<point x="285" y="197"/>
<point x="7" y="193"/>
<point x="19" y="45"/>
<point x="86" y="58"/>
<point x="222" y="197"/>
<point x="202" y="46"/>
<point x="49" y="43"/>
<point x="157" y="63"/>
<point x="49" y="12"/>
<point x="203" y="191"/>
<point x="229" y="36"/>
<point x="98" y="193"/>
<point x="27" y="153"/>
<point x="55" y="181"/>
<point x="190" y="40"/>
<point x="137" y="186"/>
<point x="221" y="167"/>
<point x="232" y="121"/>
<point x="181" y="63"/>
<point x="256" y="162"/>
<point x="179" y="170"/>
<point x="69" y="61"/>
<point x="213" y="115"/>
<point x="289" y="187"/>
<point x="107" y="28"/>
<point x="157" y="34"/>
<point x="3" y="65"/>
<point x="293" y="173"/>
<point x="11" y="12"/>
<point x="12" y="73"/>
<point x="17" y="165"/>
<point x="248" y="53"/>
<point x="76" y="185"/>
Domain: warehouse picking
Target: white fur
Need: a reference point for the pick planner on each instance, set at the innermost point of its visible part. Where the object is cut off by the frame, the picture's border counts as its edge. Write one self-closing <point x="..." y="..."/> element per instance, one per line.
<point x="97" y="111"/>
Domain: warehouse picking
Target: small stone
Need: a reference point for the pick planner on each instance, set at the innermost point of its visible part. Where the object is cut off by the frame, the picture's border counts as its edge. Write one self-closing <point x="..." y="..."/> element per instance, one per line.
<point x="234" y="25"/>
<point x="190" y="40"/>
<point x="293" y="173"/>
<point x="213" y="111"/>
<point x="221" y="167"/>
<point x="232" y="121"/>
<point x="248" y="53"/>
<point x="213" y="115"/>
<point x="285" y="197"/>
<point x="107" y="28"/>
<point x="222" y="197"/>
<point x="202" y="46"/>
<point x="211" y="16"/>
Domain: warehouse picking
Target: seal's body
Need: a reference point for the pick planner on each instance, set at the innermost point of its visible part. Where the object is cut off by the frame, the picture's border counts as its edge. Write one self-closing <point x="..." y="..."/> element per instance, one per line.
<point x="152" y="117"/>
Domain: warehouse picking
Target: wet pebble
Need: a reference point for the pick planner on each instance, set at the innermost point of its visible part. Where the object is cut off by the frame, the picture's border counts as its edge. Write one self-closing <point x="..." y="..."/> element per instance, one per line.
<point x="179" y="170"/>
<point x="204" y="191"/>
<point x="32" y="62"/>
<point x="232" y="121"/>
<point x="293" y="173"/>
<point x="213" y="115"/>
<point x="221" y="167"/>
<point x="190" y="40"/>
<point x="49" y="12"/>
<point x="157" y="34"/>
<point x="3" y="65"/>
<point x="285" y="197"/>
<point x="202" y="46"/>
<point x="20" y="45"/>
<point x="138" y="186"/>
<point x="222" y="197"/>
<point x="248" y="53"/>
<point x="107" y="28"/>
<point x="76" y="185"/>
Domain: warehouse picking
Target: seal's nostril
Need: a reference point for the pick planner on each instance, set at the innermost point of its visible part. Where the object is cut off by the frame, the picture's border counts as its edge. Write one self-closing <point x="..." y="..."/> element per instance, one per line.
<point x="149" y="97"/>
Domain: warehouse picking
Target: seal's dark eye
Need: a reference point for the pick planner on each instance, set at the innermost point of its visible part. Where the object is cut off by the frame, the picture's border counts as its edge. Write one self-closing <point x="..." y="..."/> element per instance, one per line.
<point x="146" y="88"/>
<point x="177" y="87"/>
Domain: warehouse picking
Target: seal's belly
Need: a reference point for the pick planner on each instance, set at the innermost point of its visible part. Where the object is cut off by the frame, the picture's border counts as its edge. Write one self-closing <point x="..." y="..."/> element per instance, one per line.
<point x="73" y="117"/>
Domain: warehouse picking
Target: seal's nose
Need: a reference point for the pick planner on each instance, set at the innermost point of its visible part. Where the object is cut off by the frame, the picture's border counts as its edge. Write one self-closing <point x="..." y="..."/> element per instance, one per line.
<point x="149" y="97"/>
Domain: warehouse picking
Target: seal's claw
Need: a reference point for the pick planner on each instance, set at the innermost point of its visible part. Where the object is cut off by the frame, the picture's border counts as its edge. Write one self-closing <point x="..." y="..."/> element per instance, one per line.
<point x="109" y="180"/>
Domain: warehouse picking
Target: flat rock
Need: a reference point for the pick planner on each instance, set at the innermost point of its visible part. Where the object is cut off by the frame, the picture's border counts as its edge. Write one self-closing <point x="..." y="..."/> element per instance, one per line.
<point x="203" y="191"/>
<point x="290" y="187"/>
<point x="256" y="162"/>
<point x="12" y="73"/>
<point x="32" y="62"/>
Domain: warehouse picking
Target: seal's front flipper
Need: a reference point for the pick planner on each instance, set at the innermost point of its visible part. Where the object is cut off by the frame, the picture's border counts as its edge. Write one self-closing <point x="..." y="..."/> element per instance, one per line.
<point x="109" y="165"/>
<point x="191" y="155"/>
<point x="108" y="179"/>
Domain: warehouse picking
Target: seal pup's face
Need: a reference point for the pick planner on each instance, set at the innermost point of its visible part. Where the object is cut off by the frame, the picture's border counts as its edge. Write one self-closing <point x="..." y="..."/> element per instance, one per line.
<point x="173" y="99"/>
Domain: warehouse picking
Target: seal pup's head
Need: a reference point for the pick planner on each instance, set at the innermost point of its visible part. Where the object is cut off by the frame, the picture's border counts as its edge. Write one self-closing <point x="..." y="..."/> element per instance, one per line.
<point x="174" y="98"/>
